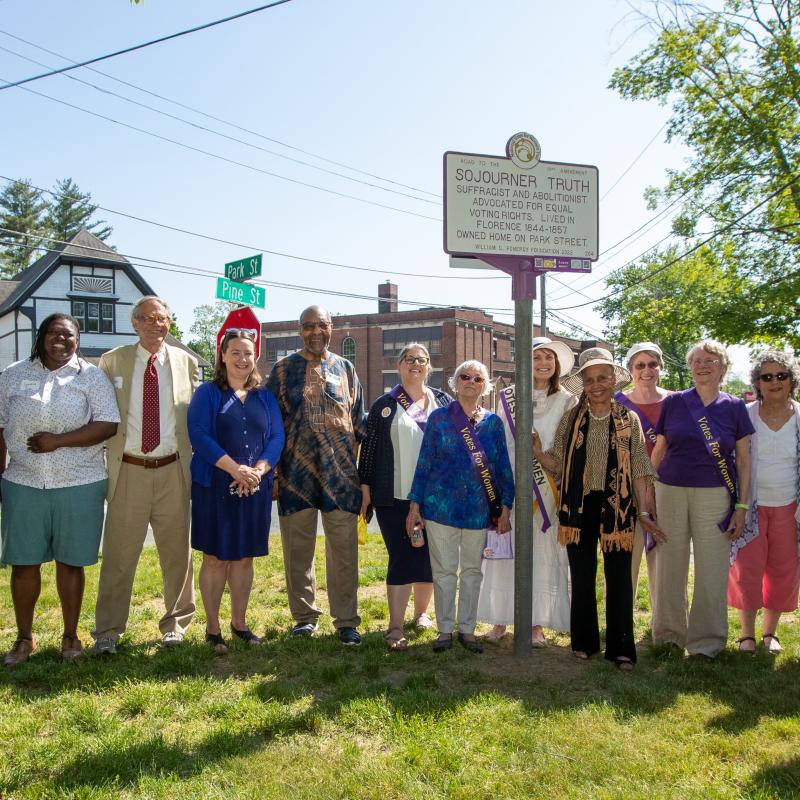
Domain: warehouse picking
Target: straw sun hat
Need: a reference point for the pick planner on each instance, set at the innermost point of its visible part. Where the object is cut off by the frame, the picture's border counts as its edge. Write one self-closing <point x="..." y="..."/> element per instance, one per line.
<point x="566" y="358"/>
<point x="591" y="358"/>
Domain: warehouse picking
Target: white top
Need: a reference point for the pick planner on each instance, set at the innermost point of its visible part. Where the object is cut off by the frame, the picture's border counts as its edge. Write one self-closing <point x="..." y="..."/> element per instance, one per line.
<point x="166" y="407"/>
<point x="777" y="464"/>
<point x="406" y="443"/>
<point x="34" y="400"/>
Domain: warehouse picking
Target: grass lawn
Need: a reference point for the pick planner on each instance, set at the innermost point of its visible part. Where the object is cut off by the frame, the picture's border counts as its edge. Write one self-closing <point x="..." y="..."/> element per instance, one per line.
<point x="312" y="719"/>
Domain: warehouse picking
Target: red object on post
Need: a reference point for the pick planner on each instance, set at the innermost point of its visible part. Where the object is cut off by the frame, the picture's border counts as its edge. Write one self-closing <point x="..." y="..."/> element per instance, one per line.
<point x="242" y="318"/>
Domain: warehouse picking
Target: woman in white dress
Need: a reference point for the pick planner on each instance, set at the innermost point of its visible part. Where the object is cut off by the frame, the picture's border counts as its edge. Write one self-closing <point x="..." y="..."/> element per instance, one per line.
<point x="551" y="361"/>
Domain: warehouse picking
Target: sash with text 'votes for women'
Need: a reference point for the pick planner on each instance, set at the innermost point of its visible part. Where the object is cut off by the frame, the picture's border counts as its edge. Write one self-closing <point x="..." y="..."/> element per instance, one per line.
<point x="545" y="493"/>
<point x="411" y="408"/>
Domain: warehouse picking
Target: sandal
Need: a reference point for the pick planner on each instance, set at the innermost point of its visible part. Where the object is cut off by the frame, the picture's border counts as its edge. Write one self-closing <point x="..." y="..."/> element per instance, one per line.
<point x="71" y="648"/>
<point x="440" y="645"/>
<point x="20" y="652"/>
<point x="217" y="643"/>
<point x="623" y="664"/>
<point x="247" y="636"/>
<point x="742" y="639"/>
<point x="495" y="634"/>
<point x="774" y="646"/>
<point x="469" y="644"/>
<point x="395" y="639"/>
<point x="580" y="655"/>
<point x="423" y="622"/>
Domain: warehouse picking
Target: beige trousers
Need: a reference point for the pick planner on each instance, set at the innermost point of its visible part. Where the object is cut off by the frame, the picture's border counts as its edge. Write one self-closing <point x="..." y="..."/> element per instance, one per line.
<point x="159" y="497"/>
<point x="450" y="548"/>
<point x="636" y="563"/>
<point x="299" y="538"/>
<point x="689" y="516"/>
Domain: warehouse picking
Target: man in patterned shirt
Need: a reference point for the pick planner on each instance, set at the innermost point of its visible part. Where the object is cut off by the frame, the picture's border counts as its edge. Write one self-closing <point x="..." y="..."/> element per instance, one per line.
<point x="323" y="414"/>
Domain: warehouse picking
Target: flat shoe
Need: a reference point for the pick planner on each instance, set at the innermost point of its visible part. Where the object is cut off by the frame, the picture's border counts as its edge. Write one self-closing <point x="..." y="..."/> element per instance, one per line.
<point x="423" y="622"/>
<point x="494" y="635"/>
<point x="71" y="648"/>
<point x="217" y="643"/>
<point x="20" y="652"/>
<point x="624" y="664"/>
<point x="741" y="640"/>
<point x="395" y="640"/>
<point x="440" y="645"/>
<point x="247" y="636"/>
<point x="580" y="655"/>
<point x="774" y="645"/>
<point x="470" y="644"/>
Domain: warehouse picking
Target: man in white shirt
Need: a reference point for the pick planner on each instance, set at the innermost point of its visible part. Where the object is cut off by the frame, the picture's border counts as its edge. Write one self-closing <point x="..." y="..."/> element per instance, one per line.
<point x="148" y="476"/>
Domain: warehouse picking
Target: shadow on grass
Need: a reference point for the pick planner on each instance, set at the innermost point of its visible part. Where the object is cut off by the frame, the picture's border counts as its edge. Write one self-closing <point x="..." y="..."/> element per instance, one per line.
<point x="777" y="780"/>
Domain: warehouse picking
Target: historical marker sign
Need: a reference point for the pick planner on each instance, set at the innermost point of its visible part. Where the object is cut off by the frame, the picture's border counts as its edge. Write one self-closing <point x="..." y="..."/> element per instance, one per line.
<point x="243" y="269"/>
<point x="494" y="207"/>
<point x="244" y="293"/>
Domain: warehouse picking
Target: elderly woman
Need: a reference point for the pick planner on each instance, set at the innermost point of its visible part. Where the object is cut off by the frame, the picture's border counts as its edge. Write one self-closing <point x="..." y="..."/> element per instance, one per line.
<point x="645" y="362"/>
<point x="56" y="410"/>
<point x="765" y="567"/>
<point x="395" y="427"/>
<point x="551" y="362"/>
<point x="601" y="459"/>
<point x="237" y="435"/>
<point x="463" y="484"/>
<point x="702" y="456"/>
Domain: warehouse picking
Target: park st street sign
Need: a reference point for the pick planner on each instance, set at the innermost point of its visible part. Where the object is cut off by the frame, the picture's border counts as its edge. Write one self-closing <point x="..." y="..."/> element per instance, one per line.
<point x="243" y="269"/>
<point x="243" y="293"/>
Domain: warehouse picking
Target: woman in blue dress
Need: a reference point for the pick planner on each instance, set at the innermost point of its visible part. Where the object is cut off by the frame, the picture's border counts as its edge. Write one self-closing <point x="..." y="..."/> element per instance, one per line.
<point x="237" y="435"/>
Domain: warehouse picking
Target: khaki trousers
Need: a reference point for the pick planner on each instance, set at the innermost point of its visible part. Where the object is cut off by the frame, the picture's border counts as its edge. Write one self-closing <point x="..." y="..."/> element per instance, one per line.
<point x="299" y="538"/>
<point x="449" y="548"/>
<point x="690" y="516"/>
<point x="158" y="497"/>
<point x="636" y="563"/>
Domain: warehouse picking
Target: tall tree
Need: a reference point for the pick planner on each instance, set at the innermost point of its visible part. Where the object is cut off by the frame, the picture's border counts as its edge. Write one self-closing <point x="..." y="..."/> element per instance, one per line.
<point x="208" y="320"/>
<point x="22" y="211"/>
<point x="732" y="78"/>
<point x="70" y="210"/>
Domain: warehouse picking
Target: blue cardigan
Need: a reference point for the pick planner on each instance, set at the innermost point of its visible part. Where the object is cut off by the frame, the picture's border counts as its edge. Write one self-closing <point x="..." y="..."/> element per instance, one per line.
<point x="202" y="420"/>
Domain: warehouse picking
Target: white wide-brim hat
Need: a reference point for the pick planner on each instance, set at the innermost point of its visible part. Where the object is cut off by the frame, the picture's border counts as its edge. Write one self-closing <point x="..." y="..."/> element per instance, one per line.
<point x="643" y="347"/>
<point x="591" y="358"/>
<point x="566" y="358"/>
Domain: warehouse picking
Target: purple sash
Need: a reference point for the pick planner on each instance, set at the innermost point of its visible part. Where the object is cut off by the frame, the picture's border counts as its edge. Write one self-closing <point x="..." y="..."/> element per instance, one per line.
<point x="700" y="416"/>
<point x="538" y="472"/>
<point x="411" y="408"/>
<point x="479" y="458"/>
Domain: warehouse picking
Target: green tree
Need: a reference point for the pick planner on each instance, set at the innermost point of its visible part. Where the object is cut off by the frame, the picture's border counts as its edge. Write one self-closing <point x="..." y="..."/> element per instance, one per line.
<point x="71" y="210"/>
<point x="732" y="78"/>
<point x="22" y="211"/>
<point x="208" y="320"/>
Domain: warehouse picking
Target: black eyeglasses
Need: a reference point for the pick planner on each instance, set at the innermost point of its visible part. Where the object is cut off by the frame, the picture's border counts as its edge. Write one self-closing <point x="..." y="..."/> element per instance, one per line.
<point x="411" y="360"/>
<point x="768" y="377"/>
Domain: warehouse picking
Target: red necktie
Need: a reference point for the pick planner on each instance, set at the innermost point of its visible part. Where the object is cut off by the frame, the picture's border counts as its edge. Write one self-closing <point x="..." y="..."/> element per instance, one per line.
<point x="151" y="421"/>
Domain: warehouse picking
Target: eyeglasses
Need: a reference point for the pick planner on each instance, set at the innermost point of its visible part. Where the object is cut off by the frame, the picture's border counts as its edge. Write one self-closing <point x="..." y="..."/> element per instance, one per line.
<point x="707" y="362"/>
<point x="411" y="360"/>
<point x="158" y="319"/>
<point x="768" y="377"/>
<point x="647" y="365"/>
<point x="470" y="378"/>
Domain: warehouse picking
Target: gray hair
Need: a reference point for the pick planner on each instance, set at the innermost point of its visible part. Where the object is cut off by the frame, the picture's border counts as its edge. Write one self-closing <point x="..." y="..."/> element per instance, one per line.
<point x="146" y="299"/>
<point x="785" y="360"/>
<point x="713" y="347"/>
<point x="477" y="366"/>
<point x="414" y="346"/>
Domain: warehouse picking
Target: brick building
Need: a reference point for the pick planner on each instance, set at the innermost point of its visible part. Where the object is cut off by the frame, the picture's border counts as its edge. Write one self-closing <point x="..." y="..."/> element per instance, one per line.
<point x="374" y="341"/>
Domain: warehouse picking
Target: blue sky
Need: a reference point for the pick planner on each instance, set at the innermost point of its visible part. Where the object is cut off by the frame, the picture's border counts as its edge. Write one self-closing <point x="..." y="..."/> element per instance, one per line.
<point x="383" y="88"/>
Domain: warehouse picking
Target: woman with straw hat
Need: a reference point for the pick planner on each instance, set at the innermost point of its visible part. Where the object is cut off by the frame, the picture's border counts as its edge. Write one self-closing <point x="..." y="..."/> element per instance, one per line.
<point x="601" y="459"/>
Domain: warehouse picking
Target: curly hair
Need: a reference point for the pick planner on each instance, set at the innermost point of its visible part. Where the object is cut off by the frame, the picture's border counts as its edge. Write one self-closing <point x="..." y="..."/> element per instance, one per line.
<point x="785" y="360"/>
<point x="477" y="366"/>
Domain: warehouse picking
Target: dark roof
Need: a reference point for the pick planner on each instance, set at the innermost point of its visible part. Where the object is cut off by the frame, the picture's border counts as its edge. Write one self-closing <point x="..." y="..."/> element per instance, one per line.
<point x="83" y="246"/>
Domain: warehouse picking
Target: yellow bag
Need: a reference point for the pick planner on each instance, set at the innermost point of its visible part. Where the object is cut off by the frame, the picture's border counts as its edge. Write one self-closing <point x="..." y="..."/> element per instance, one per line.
<point x="362" y="529"/>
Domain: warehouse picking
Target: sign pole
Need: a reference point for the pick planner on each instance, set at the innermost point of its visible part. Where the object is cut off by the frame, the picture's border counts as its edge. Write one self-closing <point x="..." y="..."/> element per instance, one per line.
<point x="543" y="307"/>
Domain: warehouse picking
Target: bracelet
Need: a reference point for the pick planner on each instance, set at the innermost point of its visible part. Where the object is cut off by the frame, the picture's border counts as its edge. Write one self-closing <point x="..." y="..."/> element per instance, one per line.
<point x="745" y="506"/>
<point x="646" y="514"/>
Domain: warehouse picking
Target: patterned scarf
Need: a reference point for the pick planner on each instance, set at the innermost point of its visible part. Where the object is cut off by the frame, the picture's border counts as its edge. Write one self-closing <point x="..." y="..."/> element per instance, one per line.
<point x="618" y="512"/>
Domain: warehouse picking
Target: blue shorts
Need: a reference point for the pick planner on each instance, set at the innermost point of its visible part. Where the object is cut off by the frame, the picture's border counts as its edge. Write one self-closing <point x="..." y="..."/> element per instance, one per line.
<point x="40" y="525"/>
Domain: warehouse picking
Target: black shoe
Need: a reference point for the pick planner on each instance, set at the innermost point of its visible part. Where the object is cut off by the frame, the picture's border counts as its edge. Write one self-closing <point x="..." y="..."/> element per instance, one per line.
<point x="247" y="636"/>
<point x="304" y="629"/>
<point x="440" y="645"/>
<point x="349" y="636"/>
<point x="469" y="644"/>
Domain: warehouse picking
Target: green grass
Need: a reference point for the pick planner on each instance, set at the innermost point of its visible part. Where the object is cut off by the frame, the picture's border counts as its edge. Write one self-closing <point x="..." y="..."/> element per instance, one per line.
<point x="312" y="719"/>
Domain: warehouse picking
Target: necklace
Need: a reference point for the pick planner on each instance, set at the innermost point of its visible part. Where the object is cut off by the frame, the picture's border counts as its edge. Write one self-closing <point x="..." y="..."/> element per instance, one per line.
<point x="476" y="416"/>
<point x="599" y="419"/>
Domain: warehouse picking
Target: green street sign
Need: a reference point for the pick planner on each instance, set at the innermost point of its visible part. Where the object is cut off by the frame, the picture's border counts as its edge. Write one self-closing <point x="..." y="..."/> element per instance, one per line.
<point x="243" y="269"/>
<point x="244" y="293"/>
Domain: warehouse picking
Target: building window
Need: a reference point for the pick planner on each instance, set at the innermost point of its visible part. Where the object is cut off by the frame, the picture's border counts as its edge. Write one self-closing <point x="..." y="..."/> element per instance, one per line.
<point x="395" y="339"/>
<point x="282" y="346"/>
<point x="93" y="317"/>
<point x="349" y="349"/>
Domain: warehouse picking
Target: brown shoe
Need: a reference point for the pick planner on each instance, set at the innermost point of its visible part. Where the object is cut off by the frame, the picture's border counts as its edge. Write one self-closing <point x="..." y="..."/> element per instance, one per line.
<point x="21" y="651"/>
<point x="71" y="648"/>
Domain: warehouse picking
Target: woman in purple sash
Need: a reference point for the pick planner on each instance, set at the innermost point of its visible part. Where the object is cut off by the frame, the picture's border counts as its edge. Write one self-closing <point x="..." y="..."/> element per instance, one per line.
<point x="462" y="484"/>
<point x="703" y="462"/>
<point x="395" y="426"/>
<point x="765" y="567"/>
<point x="644" y="361"/>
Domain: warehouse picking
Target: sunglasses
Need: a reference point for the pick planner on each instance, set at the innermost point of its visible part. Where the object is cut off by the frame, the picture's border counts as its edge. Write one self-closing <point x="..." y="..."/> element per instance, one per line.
<point x="411" y="360"/>
<point x="240" y="333"/>
<point x="646" y="365"/>
<point x="768" y="377"/>
<point x="470" y="378"/>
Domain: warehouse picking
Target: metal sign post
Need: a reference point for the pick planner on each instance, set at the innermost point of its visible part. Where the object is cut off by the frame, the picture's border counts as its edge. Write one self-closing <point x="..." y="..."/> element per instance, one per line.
<point x="526" y="217"/>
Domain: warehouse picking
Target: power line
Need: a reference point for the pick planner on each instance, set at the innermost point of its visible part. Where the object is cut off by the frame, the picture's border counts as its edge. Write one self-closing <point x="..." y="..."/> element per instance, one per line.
<point x="225" y="135"/>
<point x="230" y="124"/>
<point x="631" y="165"/>
<point x="146" y="44"/>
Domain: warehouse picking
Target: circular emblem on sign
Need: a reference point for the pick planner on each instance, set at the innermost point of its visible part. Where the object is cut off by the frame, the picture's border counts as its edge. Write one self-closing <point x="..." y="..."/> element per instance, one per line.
<point x="386" y="412"/>
<point x="524" y="150"/>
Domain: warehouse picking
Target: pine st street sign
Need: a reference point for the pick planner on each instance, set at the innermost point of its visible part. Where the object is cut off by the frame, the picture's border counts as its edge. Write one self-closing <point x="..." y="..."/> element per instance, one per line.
<point x="243" y="293"/>
<point x="243" y="269"/>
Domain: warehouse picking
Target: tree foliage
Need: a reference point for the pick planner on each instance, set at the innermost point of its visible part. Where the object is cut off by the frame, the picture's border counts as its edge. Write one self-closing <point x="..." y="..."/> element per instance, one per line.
<point x="732" y="78"/>
<point x="208" y="320"/>
<point x="22" y="211"/>
<point x="71" y="210"/>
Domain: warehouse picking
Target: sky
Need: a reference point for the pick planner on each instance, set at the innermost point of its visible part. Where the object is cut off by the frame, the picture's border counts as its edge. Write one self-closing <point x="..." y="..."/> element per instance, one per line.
<point x="332" y="119"/>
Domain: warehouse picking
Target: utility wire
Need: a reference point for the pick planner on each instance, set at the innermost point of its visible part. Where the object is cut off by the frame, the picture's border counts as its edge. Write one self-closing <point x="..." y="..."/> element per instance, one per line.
<point x="132" y="49"/>
<point x="632" y="164"/>
<point x="230" y="124"/>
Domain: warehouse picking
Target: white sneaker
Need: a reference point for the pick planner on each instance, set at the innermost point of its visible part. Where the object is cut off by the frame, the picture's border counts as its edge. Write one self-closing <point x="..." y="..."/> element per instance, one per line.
<point x="105" y="646"/>
<point x="171" y="638"/>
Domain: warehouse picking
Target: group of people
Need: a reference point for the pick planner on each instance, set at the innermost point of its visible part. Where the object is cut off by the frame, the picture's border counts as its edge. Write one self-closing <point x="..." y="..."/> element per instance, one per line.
<point x="644" y="471"/>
